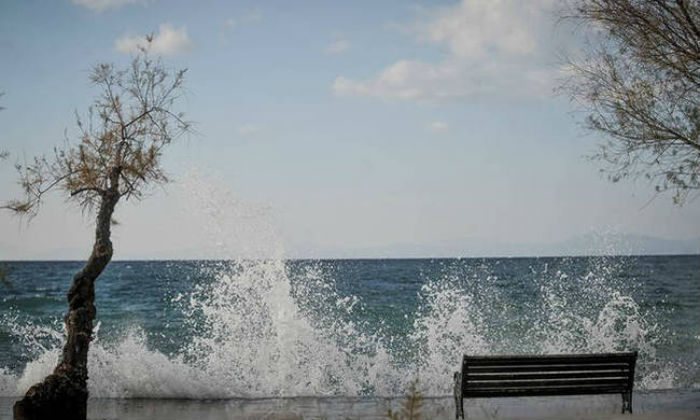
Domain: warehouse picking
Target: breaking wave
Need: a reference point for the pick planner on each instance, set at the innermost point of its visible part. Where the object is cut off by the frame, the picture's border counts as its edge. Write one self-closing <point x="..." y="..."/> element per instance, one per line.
<point x="258" y="331"/>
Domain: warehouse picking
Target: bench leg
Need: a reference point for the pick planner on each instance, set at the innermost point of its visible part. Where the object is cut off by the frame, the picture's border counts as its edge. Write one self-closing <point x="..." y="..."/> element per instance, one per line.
<point x="459" y="401"/>
<point x="627" y="402"/>
<point x="459" y="409"/>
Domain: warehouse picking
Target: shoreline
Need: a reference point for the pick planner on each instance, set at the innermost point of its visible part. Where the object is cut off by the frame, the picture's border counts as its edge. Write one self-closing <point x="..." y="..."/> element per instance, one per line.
<point x="664" y="404"/>
<point x="367" y="258"/>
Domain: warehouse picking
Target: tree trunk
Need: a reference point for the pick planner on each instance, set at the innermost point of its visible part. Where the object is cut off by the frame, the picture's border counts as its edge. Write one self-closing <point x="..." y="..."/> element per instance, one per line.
<point x="63" y="394"/>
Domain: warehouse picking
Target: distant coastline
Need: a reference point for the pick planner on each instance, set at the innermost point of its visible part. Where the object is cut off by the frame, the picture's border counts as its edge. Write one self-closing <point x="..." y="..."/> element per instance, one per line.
<point x="389" y="258"/>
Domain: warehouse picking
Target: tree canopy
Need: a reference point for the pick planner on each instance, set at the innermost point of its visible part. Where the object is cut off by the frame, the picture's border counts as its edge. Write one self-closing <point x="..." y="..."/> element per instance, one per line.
<point x="121" y="139"/>
<point x="639" y="83"/>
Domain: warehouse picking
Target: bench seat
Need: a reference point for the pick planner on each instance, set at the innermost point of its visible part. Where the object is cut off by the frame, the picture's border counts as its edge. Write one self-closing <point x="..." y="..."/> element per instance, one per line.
<point x="545" y="375"/>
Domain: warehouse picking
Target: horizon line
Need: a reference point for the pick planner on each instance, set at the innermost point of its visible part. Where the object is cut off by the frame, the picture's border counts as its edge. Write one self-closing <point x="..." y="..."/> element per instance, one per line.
<point x="367" y="258"/>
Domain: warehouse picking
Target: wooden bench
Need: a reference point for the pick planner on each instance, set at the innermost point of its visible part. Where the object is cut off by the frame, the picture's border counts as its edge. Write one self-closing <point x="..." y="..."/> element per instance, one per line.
<point x="545" y="375"/>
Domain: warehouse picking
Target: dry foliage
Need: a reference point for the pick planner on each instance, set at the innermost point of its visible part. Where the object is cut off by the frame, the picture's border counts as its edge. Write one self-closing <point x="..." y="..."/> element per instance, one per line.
<point x="121" y="139"/>
<point x="411" y="405"/>
<point x="639" y="83"/>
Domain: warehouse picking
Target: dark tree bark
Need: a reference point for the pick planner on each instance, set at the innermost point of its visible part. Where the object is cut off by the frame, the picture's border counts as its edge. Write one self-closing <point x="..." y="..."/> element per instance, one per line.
<point x="117" y="157"/>
<point x="63" y="394"/>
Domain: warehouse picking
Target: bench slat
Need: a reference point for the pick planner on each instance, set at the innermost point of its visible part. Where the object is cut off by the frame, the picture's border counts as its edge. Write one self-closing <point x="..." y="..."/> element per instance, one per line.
<point x="540" y="361"/>
<point x="546" y="368"/>
<point x="544" y="384"/>
<point x="545" y="375"/>
<point x="551" y="358"/>
<point x="536" y="392"/>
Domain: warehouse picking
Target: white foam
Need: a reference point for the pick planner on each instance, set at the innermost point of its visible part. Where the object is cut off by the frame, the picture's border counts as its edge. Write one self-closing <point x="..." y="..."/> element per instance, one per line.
<point x="258" y="334"/>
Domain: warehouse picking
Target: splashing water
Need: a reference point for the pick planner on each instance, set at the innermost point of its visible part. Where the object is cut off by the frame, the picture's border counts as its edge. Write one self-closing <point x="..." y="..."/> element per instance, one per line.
<point x="258" y="331"/>
<point x="267" y="345"/>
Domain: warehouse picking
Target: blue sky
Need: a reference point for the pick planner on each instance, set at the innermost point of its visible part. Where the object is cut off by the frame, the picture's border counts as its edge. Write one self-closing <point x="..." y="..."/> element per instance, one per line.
<point x="337" y="128"/>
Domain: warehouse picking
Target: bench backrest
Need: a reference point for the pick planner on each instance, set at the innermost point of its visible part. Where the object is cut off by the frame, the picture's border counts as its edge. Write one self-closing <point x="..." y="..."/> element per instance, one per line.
<point x="561" y="374"/>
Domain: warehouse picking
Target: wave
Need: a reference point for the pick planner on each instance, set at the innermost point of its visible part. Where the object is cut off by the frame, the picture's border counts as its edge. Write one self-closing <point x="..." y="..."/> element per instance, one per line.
<point x="255" y="331"/>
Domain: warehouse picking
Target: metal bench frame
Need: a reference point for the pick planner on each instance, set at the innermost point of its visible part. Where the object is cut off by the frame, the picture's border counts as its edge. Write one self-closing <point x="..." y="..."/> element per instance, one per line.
<point x="545" y="375"/>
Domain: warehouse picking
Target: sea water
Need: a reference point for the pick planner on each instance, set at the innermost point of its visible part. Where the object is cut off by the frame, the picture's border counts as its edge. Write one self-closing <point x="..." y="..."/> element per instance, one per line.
<point x="348" y="328"/>
<point x="253" y="332"/>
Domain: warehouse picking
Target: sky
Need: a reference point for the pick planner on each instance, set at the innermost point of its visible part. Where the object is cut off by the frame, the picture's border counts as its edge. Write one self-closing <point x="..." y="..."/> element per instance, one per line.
<point x="332" y="129"/>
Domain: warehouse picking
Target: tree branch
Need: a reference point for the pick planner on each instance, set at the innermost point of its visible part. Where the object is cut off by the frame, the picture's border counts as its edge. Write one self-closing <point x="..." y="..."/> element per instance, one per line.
<point x="100" y="191"/>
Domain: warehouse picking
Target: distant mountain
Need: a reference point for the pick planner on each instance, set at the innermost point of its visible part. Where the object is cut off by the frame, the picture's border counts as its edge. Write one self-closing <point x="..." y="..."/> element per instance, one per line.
<point x="588" y="244"/>
<point x="628" y="244"/>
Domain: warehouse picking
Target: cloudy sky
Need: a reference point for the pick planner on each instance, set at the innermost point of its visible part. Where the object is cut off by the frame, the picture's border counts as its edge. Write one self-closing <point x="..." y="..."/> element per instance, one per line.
<point x="331" y="129"/>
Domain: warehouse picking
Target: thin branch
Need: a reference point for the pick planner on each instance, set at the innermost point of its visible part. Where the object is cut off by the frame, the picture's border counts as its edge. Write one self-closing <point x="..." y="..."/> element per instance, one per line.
<point x="100" y="191"/>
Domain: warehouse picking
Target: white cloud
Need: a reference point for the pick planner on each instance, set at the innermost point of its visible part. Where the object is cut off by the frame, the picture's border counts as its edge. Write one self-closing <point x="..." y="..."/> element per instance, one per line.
<point x="251" y="17"/>
<point x="477" y="28"/>
<point x="168" y="41"/>
<point x="248" y="129"/>
<point x="491" y="46"/>
<point x="338" y="46"/>
<point x="102" y="5"/>
<point x="248" y="18"/>
<point x="439" y="126"/>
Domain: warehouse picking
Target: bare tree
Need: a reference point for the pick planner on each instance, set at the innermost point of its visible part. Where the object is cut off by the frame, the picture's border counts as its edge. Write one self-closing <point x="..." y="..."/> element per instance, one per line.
<point x="639" y="83"/>
<point x="117" y="156"/>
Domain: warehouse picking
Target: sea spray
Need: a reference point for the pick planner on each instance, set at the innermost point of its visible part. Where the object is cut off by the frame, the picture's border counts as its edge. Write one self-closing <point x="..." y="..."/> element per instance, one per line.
<point x="595" y="312"/>
<point x="465" y="311"/>
<point x="255" y="325"/>
<point x="254" y="332"/>
<point x="447" y="325"/>
<point x="255" y="329"/>
<point x="266" y="335"/>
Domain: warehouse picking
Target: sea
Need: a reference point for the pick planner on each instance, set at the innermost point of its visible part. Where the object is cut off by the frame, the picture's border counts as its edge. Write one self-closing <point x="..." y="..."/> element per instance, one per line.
<point x="304" y="333"/>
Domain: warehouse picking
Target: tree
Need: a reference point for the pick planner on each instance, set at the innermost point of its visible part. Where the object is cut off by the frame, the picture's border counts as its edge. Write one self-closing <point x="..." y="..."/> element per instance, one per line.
<point x="117" y="156"/>
<point x="639" y="83"/>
